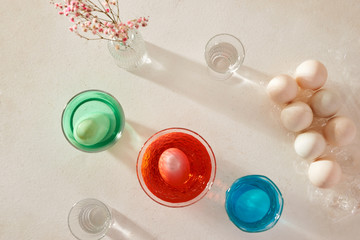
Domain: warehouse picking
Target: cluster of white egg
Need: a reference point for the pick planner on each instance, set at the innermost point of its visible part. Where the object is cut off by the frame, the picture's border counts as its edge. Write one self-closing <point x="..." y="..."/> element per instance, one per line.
<point x="297" y="116"/>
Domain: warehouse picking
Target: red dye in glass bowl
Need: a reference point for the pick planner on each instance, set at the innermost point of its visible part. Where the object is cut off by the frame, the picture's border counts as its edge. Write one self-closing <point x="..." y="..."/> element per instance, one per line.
<point x="201" y="173"/>
<point x="174" y="167"/>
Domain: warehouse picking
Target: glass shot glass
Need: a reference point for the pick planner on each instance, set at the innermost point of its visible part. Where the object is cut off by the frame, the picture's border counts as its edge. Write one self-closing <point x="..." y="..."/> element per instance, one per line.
<point x="254" y="203"/>
<point x="89" y="219"/>
<point x="176" y="167"/>
<point x="224" y="54"/>
<point x="92" y="121"/>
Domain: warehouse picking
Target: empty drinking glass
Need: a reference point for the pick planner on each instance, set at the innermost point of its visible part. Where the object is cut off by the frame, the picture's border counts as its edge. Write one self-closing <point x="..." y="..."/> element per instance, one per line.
<point x="224" y="54"/>
<point x="89" y="219"/>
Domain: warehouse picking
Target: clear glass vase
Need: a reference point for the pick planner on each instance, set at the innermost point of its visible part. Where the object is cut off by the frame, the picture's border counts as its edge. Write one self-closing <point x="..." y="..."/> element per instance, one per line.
<point x="131" y="55"/>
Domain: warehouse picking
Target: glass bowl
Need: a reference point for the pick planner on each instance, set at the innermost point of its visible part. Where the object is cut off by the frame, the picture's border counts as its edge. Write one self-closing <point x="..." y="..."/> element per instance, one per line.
<point x="254" y="203"/>
<point x="201" y="161"/>
<point x="96" y="114"/>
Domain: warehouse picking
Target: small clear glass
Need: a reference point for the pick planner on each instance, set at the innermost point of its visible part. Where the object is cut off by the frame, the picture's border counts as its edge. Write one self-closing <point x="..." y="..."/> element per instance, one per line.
<point x="89" y="219"/>
<point x="224" y="54"/>
<point x="92" y="121"/>
<point x="202" y="167"/>
<point x="254" y="203"/>
<point x="131" y="55"/>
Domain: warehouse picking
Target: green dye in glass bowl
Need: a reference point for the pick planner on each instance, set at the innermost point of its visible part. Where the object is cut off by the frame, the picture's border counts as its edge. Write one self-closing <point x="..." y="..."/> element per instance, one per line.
<point x="93" y="120"/>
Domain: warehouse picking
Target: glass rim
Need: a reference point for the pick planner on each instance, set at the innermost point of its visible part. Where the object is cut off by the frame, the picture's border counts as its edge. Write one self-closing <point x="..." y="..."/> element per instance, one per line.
<point x="133" y="35"/>
<point x="241" y="57"/>
<point x="202" y="193"/>
<point x="276" y="192"/>
<point x="118" y="136"/>
<point x="100" y="203"/>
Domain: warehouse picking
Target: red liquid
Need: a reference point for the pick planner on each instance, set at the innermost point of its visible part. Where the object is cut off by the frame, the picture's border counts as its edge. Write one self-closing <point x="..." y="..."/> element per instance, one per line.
<point x="200" y="167"/>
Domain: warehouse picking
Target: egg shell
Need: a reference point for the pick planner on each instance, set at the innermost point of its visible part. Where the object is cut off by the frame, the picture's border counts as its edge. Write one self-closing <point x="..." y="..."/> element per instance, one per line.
<point x="296" y="116"/>
<point x="311" y="74"/>
<point x="325" y="103"/>
<point x="310" y="145"/>
<point x="91" y="129"/>
<point x="174" y="166"/>
<point x="340" y="131"/>
<point x="282" y="89"/>
<point x="324" y="173"/>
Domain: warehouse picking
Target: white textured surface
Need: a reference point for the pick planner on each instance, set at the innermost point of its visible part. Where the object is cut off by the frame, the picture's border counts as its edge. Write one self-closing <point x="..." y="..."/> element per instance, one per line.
<point x="43" y="65"/>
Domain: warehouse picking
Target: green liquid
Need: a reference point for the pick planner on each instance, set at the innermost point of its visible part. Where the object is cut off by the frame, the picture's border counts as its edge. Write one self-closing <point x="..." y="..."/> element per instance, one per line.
<point x="93" y="121"/>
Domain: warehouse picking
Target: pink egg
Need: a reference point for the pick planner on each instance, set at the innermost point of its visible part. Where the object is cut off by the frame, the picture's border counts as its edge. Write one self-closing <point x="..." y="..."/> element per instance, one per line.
<point x="174" y="167"/>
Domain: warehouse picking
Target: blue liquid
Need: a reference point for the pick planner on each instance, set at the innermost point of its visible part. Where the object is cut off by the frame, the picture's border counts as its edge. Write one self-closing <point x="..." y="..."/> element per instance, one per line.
<point x="254" y="203"/>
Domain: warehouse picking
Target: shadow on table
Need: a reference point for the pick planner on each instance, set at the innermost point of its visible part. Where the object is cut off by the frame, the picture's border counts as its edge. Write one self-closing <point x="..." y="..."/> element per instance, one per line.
<point x="125" y="229"/>
<point x="130" y="143"/>
<point x="211" y="211"/>
<point x="242" y="97"/>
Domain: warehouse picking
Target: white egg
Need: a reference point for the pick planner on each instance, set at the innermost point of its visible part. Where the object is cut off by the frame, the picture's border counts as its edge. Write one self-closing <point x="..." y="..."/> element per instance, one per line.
<point x="340" y="131"/>
<point x="325" y="103"/>
<point x="296" y="116"/>
<point x="282" y="89"/>
<point x="311" y="74"/>
<point x="310" y="145"/>
<point x="324" y="173"/>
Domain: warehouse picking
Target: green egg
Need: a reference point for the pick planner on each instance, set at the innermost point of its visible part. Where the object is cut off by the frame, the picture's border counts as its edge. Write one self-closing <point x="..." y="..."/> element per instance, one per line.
<point x="92" y="129"/>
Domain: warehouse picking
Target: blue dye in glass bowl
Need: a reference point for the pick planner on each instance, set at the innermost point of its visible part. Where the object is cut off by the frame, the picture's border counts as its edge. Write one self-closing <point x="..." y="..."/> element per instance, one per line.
<point x="254" y="203"/>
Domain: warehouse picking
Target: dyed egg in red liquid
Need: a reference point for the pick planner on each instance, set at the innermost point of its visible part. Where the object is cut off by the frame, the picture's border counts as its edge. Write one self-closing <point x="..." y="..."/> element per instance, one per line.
<point x="199" y="161"/>
<point x="174" y="167"/>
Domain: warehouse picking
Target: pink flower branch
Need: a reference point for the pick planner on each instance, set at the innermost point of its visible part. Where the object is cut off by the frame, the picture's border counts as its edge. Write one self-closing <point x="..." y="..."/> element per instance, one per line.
<point x="99" y="19"/>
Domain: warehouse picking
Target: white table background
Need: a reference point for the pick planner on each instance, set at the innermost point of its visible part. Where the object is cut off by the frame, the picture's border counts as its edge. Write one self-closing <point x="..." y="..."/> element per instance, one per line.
<point x="43" y="65"/>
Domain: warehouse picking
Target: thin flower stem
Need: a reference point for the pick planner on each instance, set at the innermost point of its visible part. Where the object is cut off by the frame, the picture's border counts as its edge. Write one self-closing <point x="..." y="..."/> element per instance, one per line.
<point x="112" y="13"/>
<point x="118" y="11"/>
<point x="103" y="10"/>
<point x="87" y="38"/>
<point x="91" y="15"/>
<point x="82" y="16"/>
<point x="94" y="5"/>
<point x="112" y="18"/>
